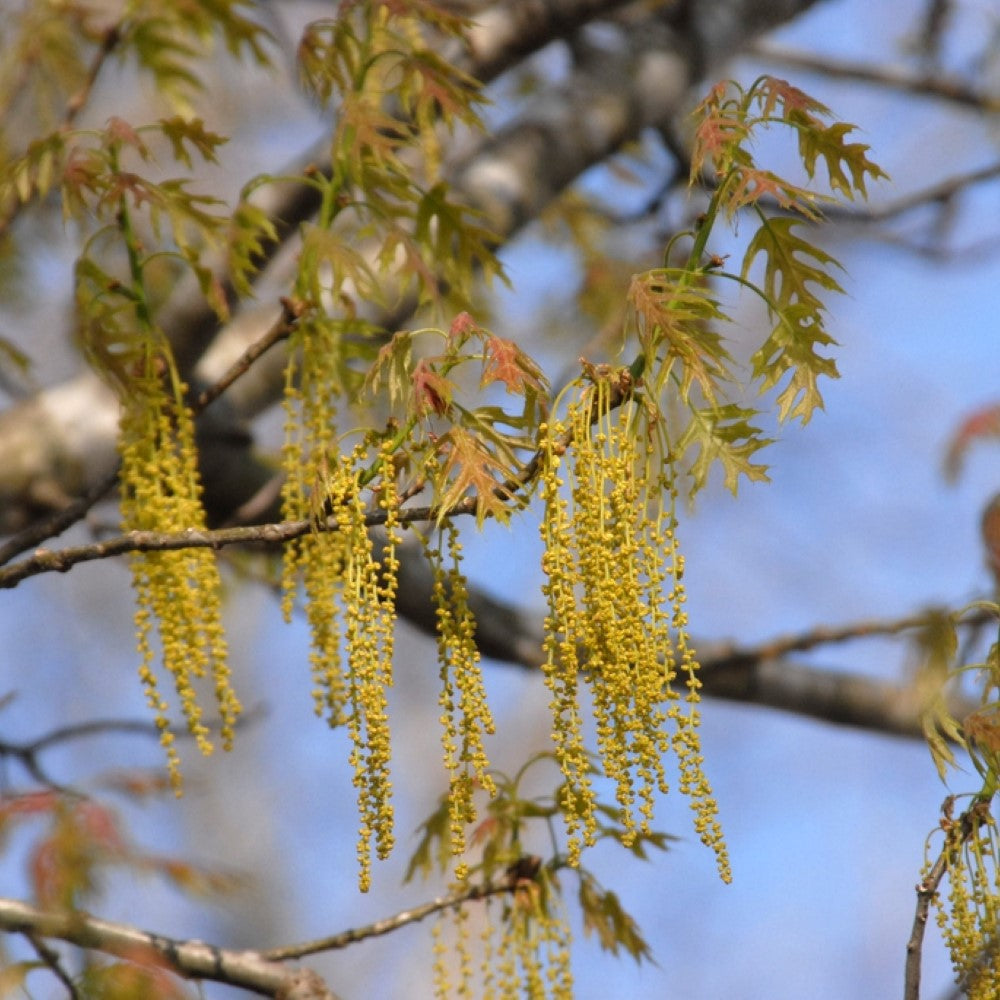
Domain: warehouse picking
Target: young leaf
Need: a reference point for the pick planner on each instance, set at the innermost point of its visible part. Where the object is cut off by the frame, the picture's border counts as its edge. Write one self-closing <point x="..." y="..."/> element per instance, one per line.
<point x="725" y="435"/>
<point x="674" y="323"/>
<point x="432" y="392"/>
<point x="603" y="915"/>
<point x="827" y="143"/>
<point x="469" y="466"/>
<point x="183" y="132"/>
<point x="505" y="362"/>
<point x="393" y="368"/>
<point x="792" y="267"/>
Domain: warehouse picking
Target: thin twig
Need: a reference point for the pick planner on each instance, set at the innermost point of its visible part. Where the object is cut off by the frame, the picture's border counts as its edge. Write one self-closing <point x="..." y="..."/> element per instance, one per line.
<point x="826" y="635"/>
<point x="279" y="331"/>
<point x="939" y="193"/>
<point x="968" y="824"/>
<point x="953" y="90"/>
<point x="59" y="521"/>
<point x="51" y="958"/>
<point x="27" y="753"/>
<point x="390" y="924"/>
<point x="926" y="890"/>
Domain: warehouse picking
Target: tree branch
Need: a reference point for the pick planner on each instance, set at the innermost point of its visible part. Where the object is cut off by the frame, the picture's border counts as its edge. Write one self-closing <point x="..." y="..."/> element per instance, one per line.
<point x="28" y="752"/>
<point x="953" y="90"/>
<point x="414" y="915"/>
<point x="190" y="959"/>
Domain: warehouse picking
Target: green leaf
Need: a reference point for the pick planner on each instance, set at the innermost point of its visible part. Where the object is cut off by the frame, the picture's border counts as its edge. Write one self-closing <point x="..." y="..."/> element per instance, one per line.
<point x="674" y="314"/>
<point x="183" y="132"/>
<point x="452" y="235"/>
<point x="723" y="435"/>
<point x="393" y="369"/>
<point x="469" y="466"/>
<point x="433" y="848"/>
<point x="250" y="231"/>
<point x="34" y="172"/>
<point x="604" y="916"/>
<point x="827" y="144"/>
<point x="793" y="269"/>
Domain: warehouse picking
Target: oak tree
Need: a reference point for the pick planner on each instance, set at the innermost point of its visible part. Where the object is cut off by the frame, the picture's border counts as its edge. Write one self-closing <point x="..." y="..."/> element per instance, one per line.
<point x="353" y="283"/>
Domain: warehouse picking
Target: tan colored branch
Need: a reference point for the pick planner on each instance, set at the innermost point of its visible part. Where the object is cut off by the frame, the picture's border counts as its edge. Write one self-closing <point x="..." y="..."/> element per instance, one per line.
<point x="190" y="959"/>
<point x="414" y="915"/>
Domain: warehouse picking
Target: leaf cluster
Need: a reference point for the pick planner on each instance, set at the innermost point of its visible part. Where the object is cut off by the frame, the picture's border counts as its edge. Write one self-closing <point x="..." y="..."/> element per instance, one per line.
<point x="170" y="42"/>
<point x="460" y="448"/>
<point x="393" y="98"/>
<point x="675" y="312"/>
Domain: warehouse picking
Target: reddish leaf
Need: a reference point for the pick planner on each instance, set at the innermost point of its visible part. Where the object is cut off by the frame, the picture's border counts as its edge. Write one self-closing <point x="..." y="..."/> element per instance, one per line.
<point x="983" y="423"/>
<point x="432" y="391"/>
<point x="506" y="362"/>
<point x="470" y="466"/>
<point x="99" y="827"/>
<point x="463" y="325"/>
<point x="777" y="91"/>
<point x="120" y="132"/>
<point x="30" y="804"/>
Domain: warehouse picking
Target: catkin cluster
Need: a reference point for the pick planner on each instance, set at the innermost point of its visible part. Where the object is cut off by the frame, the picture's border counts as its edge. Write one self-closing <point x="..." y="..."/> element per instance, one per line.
<point x="615" y="612"/>
<point x="969" y="919"/>
<point x="177" y="590"/>
<point x="465" y="714"/>
<point x="524" y="950"/>
<point x="350" y="588"/>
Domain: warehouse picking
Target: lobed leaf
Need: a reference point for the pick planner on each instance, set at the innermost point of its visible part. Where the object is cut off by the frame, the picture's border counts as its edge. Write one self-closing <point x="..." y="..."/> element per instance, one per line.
<point x="451" y="235"/>
<point x="604" y="916"/>
<point x="827" y="144"/>
<point x="470" y="467"/>
<point x="793" y="269"/>
<point x="505" y="362"/>
<point x="674" y="319"/>
<point x="724" y="435"/>
<point x="250" y="231"/>
<point x="184" y="132"/>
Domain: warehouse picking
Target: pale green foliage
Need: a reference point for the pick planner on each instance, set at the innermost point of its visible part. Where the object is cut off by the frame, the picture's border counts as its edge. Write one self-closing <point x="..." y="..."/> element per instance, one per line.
<point x="675" y="310"/>
<point x="794" y="269"/>
<point x="171" y="40"/>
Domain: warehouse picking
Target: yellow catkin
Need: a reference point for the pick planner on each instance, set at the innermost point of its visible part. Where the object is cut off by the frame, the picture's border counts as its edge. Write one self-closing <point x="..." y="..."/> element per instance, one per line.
<point x="178" y="592"/>
<point x="465" y="714"/>
<point x="461" y="952"/>
<point x="442" y="983"/>
<point x="615" y="612"/>
<point x="368" y="634"/>
<point x="529" y="952"/>
<point x="562" y="637"/>
<point x="350" y="593"/>
<point x="487" y="954"/>
<point x="968" y="919"/>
